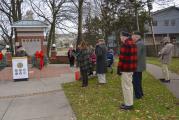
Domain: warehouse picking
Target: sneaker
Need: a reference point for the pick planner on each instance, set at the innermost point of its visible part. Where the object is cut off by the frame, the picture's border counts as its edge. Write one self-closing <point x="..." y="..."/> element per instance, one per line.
<point x="166" y="81"/>
<point x="137" y="98"/>
<point x="161" y="79"/>
<point x="125" y="107"/>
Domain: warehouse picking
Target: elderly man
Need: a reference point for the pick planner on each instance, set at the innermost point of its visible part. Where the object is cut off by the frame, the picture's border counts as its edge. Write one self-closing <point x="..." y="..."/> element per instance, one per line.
<point x="141" y="65"/>
<point x="126" y="66"/>
<point x="165" y="58"/>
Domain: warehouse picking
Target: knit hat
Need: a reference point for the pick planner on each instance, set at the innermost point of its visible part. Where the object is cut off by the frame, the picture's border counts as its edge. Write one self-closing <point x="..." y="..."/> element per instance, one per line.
<point x="126" y="34"/>
<point x="166" y="40"/>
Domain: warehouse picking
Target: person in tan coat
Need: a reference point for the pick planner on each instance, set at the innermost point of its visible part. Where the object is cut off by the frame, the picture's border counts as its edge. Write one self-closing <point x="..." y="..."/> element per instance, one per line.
<point x="165" y="58"/>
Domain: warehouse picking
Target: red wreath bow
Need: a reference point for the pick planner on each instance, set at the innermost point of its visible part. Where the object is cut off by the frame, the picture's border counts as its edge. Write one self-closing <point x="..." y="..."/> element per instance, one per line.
<point x="1" y="56"/>
<point x="40" y="55"/>
<point x="37" y="54"/>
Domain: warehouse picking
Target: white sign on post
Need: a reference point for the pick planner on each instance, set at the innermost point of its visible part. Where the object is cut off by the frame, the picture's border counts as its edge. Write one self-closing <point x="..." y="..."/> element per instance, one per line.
<point x="20" y="68"/>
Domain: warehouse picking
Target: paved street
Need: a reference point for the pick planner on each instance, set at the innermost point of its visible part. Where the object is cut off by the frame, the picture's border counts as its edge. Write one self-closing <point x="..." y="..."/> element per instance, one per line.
<point x="36" y="99"/>
<point x="173" y="86"/>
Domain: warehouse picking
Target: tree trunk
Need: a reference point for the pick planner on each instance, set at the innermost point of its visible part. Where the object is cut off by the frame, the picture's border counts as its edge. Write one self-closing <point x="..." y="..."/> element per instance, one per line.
<point x="49" y="42"/>
<point x="53" y="35"/>
<point x="106" y="36"/>
<point x="16" y="15"/>
<point x="80" y="19"/>
<point x="53" y="31"/>
<point x="50" y="38"/>
<point x="137" y="19"/>
<point x="18" y="9"/>
<point x="14" y="10"/>
<point x="11" y="42"/>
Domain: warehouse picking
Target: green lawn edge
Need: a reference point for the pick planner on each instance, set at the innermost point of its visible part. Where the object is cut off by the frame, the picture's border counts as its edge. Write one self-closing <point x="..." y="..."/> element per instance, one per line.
<point x="173" y="66"/>
<point x="102" y="102"/>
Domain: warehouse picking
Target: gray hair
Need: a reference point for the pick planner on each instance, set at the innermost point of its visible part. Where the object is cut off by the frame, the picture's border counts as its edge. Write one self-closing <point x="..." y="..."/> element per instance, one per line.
<point x="166" y="40"/>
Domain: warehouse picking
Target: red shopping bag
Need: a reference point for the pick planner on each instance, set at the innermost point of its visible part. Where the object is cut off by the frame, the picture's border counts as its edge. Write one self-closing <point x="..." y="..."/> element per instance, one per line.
<point x="77" y="75"/>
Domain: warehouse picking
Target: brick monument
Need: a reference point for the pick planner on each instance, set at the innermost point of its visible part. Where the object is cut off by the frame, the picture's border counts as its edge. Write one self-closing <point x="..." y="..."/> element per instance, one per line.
<point x="31" y="34"/>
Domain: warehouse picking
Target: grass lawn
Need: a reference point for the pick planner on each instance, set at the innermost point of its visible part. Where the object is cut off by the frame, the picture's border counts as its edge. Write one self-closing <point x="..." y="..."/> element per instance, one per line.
<point x="174" y="66"/>
<point x="102" y="102"/>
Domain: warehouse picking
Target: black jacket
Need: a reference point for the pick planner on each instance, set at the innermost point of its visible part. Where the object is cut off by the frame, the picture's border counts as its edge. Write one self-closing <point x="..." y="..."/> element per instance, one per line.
<point x="101" y="58"/>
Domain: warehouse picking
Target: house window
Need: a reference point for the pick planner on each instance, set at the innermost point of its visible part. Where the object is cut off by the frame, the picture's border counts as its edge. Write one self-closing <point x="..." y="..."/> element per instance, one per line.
<point x="172" y="22"/>
<point x="166" y="22"/>
<point x="155" y="23"/>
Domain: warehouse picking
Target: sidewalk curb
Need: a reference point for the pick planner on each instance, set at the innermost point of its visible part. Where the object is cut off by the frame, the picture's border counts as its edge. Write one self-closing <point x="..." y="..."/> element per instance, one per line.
<point x="30" y="94"/>
<point x="156" y="72"/>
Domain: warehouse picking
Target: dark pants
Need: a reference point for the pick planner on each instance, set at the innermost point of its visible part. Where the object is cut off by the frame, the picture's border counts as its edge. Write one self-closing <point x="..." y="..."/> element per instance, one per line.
<point x="137" y="84"/>
<point x="84" y="74"/>
<point x="71" y="60"/>
<point x="91" y="69"/>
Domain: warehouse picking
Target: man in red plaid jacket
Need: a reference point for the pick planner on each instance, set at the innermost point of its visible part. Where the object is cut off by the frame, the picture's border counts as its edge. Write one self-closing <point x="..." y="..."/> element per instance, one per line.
<point x="126" y="66"/>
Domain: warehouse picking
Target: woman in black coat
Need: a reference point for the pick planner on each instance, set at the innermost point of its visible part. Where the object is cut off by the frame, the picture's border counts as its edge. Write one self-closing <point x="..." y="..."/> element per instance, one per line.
<point x="101" y="63"/>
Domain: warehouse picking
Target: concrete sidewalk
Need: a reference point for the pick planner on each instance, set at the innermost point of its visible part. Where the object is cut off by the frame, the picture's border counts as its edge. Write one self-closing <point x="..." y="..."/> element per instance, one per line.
<point x="42" y="99"/>
<point x="173" y="86"/>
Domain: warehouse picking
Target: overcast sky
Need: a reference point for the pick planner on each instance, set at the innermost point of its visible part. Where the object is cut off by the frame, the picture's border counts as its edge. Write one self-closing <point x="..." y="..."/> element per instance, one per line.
<point x="155" y="8"/>
<point x="158" y="7"/>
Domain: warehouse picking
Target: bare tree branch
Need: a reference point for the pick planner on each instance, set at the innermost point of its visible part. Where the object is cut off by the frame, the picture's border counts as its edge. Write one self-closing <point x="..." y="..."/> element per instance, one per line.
<point x="41" y="14"/>
<point x="75" y="4"/>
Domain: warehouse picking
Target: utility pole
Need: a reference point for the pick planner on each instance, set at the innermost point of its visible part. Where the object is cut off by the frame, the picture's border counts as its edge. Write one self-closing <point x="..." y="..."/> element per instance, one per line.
<point x="149" y="4"/>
